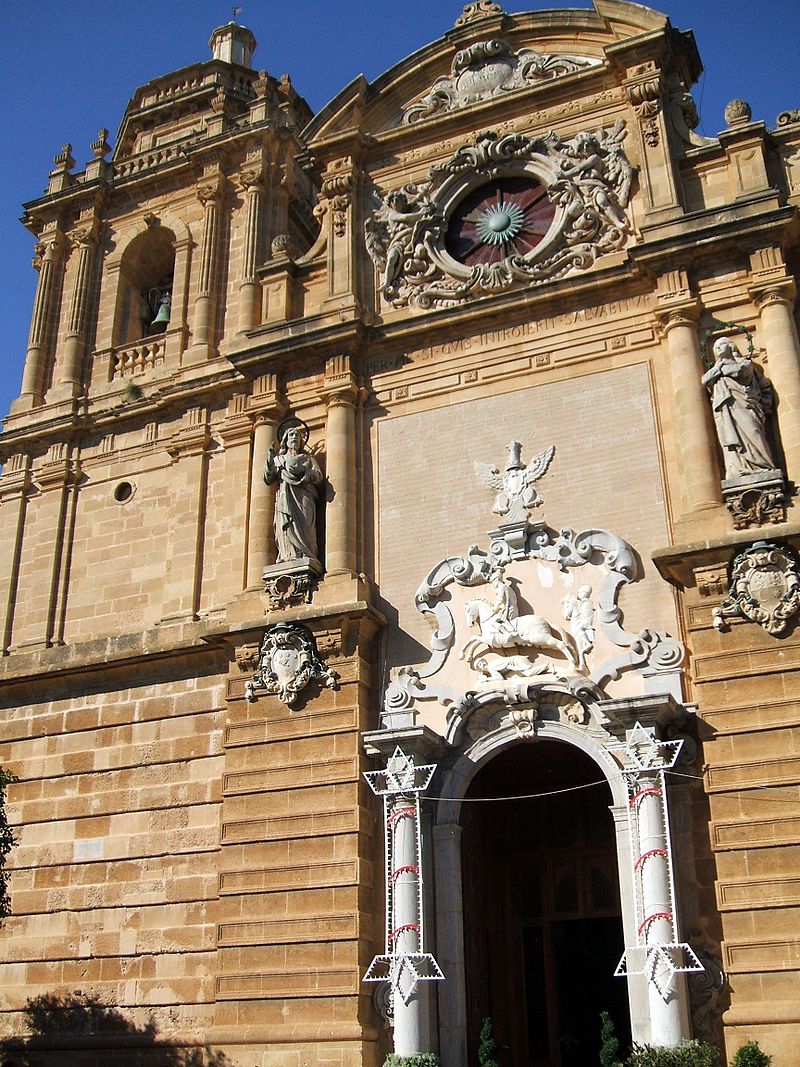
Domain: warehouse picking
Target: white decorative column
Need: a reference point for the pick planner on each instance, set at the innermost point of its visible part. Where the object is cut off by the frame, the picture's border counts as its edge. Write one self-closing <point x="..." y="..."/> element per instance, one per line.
<point x="405" y="963"/>
<point x="210" y="191"/>
<point x="658" y="954"/>
<point x="677" y="313"/>
<point x="69" y="368"/>
<point x="341" y="397"/>
<point x="49" y="261"/>
<point x="778" y="333"/>
<point x="266" y="410"/>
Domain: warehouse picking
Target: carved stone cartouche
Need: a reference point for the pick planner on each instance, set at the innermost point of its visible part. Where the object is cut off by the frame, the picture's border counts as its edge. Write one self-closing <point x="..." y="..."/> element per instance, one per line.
<point x="287" y="662"/>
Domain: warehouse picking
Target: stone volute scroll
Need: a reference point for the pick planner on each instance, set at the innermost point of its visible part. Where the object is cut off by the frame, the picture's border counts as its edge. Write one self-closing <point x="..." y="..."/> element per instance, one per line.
<point x="741" y="400"/>
<point x="288" y="661"/>
<point x="296" y="475"/>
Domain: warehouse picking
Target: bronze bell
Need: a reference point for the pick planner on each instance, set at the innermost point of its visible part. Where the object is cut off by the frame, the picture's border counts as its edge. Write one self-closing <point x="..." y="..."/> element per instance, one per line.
<point x="161" y="321"/>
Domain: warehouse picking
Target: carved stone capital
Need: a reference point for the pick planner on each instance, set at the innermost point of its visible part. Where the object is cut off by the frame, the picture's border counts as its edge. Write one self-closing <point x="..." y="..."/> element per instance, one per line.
<point x="782" y="292"/>
<point x="211" y="187"/>
<point x="85" y="231"/>
<point x="670" y="318"/>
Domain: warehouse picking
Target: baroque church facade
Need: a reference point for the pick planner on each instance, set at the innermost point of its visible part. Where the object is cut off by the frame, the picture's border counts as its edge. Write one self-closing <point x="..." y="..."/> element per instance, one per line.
<point x="399" y="587"/>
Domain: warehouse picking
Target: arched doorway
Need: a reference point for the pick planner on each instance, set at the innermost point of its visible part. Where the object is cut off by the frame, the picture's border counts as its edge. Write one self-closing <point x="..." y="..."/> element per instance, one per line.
<point x="542" y="921"/>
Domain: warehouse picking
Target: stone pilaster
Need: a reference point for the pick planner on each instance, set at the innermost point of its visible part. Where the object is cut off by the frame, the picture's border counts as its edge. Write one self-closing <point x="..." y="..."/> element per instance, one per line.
<point x="266" y="410"/>
<point x="644" y="92"/>
<point x="49" y="261"/>
<point x="774" y="293"/>
<point x="251" y="184"/>
<point x="69" y="365"/>
<point x="677" y="312"/>
<point x="210" y="191"/>
<point x="184" y="550"/>
<point x="14" y="486"/>
<point x="341" y="398"/>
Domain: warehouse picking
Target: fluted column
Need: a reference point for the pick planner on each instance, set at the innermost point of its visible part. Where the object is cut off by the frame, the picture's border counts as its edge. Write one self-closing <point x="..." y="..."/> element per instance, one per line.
<point x="210" y="190"/>
<point x="261" y="550"/>
<point x="778" y="333"/>
<point x="69" y="368"/>
<point x="697" y="443"/>
<point x="50" y="263"/>
<point x="252" y="184"/>
<point x="341" y="397"/>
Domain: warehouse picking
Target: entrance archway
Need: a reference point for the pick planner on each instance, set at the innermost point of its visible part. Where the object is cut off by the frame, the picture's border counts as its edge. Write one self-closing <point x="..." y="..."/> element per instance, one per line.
<point x="542" y="918"/>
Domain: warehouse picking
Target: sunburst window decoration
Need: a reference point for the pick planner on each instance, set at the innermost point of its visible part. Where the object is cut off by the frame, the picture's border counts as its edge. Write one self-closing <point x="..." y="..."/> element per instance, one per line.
<point x="504" y="217"/>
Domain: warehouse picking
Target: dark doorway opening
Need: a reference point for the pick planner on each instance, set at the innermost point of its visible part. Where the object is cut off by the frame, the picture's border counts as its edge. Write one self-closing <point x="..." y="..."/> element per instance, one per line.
<point x="542" y="918"/>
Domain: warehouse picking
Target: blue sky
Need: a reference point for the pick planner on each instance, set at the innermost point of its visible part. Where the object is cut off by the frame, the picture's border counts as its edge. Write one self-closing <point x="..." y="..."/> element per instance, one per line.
<point x="71" y="66"/>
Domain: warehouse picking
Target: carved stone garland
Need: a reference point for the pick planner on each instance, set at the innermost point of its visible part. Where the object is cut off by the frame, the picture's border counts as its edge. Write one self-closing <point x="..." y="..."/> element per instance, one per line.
<point x="587" y="180"/>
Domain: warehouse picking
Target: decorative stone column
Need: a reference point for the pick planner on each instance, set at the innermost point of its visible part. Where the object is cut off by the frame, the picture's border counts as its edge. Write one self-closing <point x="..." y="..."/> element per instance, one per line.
<point x="49" y="260"/>
<point x="677" y="314"/>
<point x="69" y="369"/>
<point x="266" y="411"/>
<point x="341" y="397"/>
<point x="251" y="183"/>
<point x="778" y="333"/>
<point x="210" y="192"/>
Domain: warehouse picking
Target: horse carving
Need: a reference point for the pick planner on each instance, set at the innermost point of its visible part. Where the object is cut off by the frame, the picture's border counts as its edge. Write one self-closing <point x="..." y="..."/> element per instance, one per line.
<point x="501" y="627"/>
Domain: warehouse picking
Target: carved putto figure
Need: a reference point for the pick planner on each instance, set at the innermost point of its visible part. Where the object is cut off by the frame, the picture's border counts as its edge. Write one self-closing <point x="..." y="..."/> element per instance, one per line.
<point x="515" y="485"/>
<point x="395" y="230"/>
<point x="579" y="613"/>
<point x="297" y="475"/>
<point x="741" y="399"/>
<point x="501" y="626"/>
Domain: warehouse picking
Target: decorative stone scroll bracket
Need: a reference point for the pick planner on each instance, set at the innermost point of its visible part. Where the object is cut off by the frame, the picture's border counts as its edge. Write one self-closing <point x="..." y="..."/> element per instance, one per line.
<point x="765" y="588"/>
<point x="287" y="662"/>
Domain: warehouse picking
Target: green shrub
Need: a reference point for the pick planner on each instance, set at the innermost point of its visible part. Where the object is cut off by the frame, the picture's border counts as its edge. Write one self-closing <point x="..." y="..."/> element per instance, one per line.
<point x="489" y="1048"/>
<point x="609" y="1045"/>
<point x="423" y="1059"/>
<point x="689" y="1054"/>
<point x="750" y="1055"/>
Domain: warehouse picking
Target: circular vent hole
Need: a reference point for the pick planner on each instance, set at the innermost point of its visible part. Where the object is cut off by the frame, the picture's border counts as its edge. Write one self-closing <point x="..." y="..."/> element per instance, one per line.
<point x="123" y="492"/>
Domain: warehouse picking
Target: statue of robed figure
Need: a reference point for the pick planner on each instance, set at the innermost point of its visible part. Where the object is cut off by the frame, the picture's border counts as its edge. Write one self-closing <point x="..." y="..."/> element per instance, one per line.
<point x="297" y="475"/>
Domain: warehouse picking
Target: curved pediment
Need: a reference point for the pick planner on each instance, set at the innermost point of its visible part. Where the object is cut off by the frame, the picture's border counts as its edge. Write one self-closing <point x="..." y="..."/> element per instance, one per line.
<point x="489" y="56"/>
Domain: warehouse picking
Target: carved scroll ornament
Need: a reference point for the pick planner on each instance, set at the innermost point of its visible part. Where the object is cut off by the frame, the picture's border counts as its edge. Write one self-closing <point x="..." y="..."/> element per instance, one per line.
<point x="488" y="69"/>
<point x="765" y="588"/>
<point x="287" y="662"/>
<point x="575" y="190"/>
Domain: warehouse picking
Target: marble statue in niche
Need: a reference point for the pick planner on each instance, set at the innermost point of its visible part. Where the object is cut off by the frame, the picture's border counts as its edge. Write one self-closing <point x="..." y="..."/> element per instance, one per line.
<point x="297" y="475"/>
<point x="741" y="399"/>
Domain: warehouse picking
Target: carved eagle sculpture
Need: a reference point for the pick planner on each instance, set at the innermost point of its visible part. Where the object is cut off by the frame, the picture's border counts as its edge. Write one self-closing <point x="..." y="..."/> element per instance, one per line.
<point x="515" y="489"/>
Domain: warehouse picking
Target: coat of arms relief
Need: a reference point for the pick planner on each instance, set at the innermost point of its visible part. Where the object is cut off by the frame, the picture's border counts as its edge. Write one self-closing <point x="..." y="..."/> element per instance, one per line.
<point x="532" y="626"/>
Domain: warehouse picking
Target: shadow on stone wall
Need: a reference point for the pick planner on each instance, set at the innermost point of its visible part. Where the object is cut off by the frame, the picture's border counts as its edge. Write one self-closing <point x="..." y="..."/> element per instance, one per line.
<point x="85" y="1031"/>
